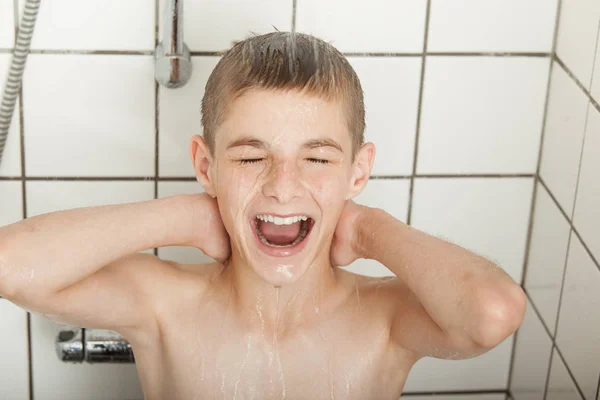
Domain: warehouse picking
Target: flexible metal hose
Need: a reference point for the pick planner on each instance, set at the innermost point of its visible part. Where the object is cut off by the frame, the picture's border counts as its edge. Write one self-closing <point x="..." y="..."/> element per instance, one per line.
<point x="17" y="66"/>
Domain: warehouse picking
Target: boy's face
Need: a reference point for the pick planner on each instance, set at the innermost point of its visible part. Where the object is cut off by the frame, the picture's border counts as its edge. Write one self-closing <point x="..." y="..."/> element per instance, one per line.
<point x="282" y="171"/>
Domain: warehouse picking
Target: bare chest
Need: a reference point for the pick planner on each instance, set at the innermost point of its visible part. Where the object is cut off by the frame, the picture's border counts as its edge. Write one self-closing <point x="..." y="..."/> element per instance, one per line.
<point x="344" y="357"/>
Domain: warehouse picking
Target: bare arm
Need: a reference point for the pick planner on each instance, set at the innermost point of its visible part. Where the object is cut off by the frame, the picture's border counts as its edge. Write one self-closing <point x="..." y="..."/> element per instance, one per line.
<point x="467" y="304"/>
<point x="50" y="252"/>
<point x="76" y="264"/>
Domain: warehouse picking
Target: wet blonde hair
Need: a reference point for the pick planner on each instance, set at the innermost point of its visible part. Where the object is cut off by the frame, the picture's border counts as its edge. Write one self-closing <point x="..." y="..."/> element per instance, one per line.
<point x="283" y="61"/>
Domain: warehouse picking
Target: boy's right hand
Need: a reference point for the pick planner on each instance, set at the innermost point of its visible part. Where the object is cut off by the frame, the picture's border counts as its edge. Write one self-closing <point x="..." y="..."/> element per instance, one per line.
<point x="208" y="232"/>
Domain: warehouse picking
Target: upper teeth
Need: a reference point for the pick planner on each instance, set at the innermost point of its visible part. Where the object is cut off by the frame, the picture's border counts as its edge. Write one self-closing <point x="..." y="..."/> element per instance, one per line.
<point x="282" y="221"/>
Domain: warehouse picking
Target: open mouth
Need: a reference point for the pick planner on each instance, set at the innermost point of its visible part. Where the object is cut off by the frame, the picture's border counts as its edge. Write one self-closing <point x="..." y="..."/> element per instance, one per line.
<point x="282" y="232"/>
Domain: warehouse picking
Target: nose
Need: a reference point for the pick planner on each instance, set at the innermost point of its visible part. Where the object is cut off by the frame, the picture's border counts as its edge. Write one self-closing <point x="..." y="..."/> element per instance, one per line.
<point x="283" y="182"/>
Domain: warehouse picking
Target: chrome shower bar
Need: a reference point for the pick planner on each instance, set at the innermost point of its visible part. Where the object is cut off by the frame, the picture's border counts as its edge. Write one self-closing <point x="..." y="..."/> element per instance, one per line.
<point x="172" y="60"/>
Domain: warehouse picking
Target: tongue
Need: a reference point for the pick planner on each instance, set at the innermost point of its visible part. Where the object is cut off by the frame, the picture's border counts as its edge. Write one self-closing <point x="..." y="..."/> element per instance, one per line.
<point x="279" y="234"/>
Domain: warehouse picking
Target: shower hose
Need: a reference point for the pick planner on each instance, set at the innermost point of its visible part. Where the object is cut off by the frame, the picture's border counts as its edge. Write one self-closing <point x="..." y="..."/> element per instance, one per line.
<point x="17" y="66"/>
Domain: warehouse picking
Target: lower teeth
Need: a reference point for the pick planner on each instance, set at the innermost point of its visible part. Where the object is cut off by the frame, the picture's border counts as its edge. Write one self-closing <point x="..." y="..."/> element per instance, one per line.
<point x="301" y="235"/>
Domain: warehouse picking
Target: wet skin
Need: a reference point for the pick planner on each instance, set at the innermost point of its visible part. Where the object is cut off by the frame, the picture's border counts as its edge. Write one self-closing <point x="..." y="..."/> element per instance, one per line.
<point x="264" y="325"/>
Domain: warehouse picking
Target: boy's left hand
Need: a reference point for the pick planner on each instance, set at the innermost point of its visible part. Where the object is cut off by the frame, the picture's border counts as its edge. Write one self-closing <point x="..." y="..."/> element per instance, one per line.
<point x="344" y="248"/>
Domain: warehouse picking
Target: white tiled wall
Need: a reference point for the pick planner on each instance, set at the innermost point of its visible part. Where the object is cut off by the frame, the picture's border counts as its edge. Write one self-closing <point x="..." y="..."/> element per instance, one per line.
<point x="94" y="115"/>
<point x="563" y="270"/>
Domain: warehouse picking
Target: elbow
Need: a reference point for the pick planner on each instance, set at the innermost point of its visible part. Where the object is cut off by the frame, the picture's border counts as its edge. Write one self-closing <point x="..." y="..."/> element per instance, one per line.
<point x="501" y="318"/>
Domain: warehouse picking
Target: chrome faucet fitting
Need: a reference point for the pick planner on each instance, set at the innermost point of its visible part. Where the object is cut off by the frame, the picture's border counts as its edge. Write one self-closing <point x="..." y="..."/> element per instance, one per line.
<point x="172" y="60"/>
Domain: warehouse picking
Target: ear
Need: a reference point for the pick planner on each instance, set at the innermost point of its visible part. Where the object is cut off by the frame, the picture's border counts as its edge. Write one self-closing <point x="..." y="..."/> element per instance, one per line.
<point x="361" y="169"/>
<point x="202" y="160"/>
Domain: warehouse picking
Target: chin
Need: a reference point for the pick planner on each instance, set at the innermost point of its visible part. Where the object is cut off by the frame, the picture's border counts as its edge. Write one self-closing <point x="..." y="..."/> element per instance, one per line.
<point x="282" y="247"/>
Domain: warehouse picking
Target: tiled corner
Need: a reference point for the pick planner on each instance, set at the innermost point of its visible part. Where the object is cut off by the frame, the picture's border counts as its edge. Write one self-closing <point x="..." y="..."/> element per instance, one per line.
<point x="349" y="25"/>
<point x="579" y="320"/>
<point x="391" y="96"/>
<point x="181" y="254"/>
<point x="10" y="165"/>
<point x="11" y="193"/>
<point x="488" y="371"/>
<point x="7" y="27"/>
<point x="482" y="114"/>
<point x="485" y="215"/>
<point x="180" y="119"/>
<point x="481" y="26"/>
<point x="89" y="115"/>
<point x="547" y="256"/>
<point x="560" y="384"/>
<point x="213" y="25"/>
<point x="577" y="35"/>
<point x="108" y="25"/>
<point x="531" y="358"/>
<point x="14" y="363"/>
<point x="49" y="196"/>
<point x="563" y="136"/>
<point x="54" y="379"/>
<point x="587" y="210"/>
<point x="392" y="196"/>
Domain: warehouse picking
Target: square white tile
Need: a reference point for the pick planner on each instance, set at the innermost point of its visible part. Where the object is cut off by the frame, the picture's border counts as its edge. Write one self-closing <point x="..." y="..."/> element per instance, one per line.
<point x="10" y="165"/>
<point x="11" y="211"/>
<point x="181" y="254"/>
<point x="577" y="34"/>
<point x="482" y="114"/>
<point x="7" y="26"/>
<point x="561" y="149"/>
<point x="494" y="26"/>
<point x="89" y="115"/>
<point x="361" y="26"/>
<point x="391" y="195"/>
<point x="107" y="25"/>
<point x="391" y="96"/>
<point x="579" y="320"/>
<point x="587" y="211"/>
<point x="488" y="371"/>
<point x="560" y="383"/>
<point x="488" y="216"/>
<point x="179" y="119"/>
<point x="49" y="196"/>
<point x="595" y="89"/>
<point x="54" y="379"/>
<point x="213" y="25"/>
<point x="14" y="363"/>
<point x="547" y="256"/>
<point x="531" y="358"/>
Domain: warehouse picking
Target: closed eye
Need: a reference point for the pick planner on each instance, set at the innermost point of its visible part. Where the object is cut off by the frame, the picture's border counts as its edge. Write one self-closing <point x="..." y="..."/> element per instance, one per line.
<point x="250" y="160"/>
<point x="318" y="160"/>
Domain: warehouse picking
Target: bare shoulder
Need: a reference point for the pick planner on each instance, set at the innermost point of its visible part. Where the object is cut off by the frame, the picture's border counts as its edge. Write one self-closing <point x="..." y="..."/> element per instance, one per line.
<point x="381" y="293"/>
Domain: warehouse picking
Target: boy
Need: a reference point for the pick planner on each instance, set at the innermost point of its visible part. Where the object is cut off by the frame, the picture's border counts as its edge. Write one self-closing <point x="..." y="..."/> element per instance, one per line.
<point x="281" y="158"/>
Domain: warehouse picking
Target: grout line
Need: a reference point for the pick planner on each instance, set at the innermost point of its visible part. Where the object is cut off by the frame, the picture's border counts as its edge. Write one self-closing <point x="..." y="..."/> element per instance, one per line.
<point x="587" y="249"/>
<point x="23" y="192"/>
<point x="535" y="188"/>
<point x="347" y="54"/>
<point x="156" y="112"/>
<point x="554" y="346"/>
<point x="598" y="389"/>
<point x="490" y="54"/>
<point x="193" y="179"/>
<point x="578" y="83"/>
<point x="454" y="392"/>
<point x="419" y="111"/>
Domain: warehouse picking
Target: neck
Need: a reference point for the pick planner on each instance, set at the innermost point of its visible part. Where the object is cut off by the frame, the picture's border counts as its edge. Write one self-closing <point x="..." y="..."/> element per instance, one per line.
<point x="269" y="308"/>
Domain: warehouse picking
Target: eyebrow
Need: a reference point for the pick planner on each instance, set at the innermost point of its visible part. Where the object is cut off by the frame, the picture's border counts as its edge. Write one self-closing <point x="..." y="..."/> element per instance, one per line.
<point x="259" y="144"/>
